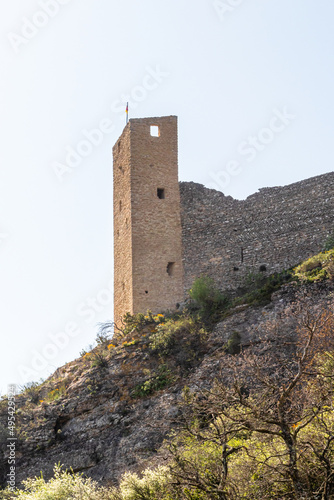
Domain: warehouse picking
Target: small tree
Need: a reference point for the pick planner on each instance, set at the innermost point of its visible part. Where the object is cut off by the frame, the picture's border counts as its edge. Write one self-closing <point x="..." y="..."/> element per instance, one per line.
<point x="208" y="298"/>
<point x="266" y="428"/>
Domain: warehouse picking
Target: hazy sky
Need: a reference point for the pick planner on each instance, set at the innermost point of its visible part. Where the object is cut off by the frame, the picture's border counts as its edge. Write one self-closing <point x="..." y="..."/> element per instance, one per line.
<point x="250" y="80"/>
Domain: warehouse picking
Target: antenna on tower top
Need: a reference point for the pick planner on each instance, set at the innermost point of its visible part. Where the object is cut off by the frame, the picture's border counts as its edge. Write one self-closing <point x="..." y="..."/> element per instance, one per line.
<point x="127" y="112"/>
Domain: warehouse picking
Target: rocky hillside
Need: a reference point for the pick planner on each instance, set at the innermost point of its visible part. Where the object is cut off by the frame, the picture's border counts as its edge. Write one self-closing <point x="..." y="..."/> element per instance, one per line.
<point x="109" y="411"/>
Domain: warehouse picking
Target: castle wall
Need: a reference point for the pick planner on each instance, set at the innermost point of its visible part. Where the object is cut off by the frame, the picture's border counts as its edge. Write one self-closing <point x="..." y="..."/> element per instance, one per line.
<point x="276" y="228"/>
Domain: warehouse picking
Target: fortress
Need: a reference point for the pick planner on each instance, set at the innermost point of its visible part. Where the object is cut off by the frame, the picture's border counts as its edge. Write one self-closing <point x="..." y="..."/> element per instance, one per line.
<point x="168" y="233"/>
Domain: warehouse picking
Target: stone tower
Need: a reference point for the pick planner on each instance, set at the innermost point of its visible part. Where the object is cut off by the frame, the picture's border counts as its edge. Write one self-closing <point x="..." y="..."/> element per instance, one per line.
<point x="148" y="271"/>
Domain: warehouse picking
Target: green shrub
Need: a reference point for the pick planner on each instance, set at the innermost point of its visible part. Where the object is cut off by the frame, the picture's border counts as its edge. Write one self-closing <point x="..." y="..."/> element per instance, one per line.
<point x="173" y="333"/>
<point x="131" y="323"/>
<point x="97" y="358"/>
<point x="208" y="298"/>
<point x="7" y="494"/>
<point x="233" y="343"/>
<point x="32" y="391"/>
<point x="329" y="243"/>
<point x="57" y="393"/>
<point x="258" y="288"/>
<point x="317" y="268"/>
<point x="153" y="485"/>
<point x="165" y="337"/>
<point x="157" y="381"/>
<point x="181" y="343"/>
<point x="62" y="486"/>
<point x="254" y="281"/>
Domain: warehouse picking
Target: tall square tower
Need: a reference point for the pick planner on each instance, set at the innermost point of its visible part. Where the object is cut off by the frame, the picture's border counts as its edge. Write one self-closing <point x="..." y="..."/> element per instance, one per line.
<point x="148" y="271"/>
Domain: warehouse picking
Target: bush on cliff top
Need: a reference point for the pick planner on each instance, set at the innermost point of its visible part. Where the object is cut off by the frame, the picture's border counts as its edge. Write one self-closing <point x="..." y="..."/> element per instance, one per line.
<point x="169" y="335"/>
<point x="317" y="268"/>
<point x="210" y="301"/>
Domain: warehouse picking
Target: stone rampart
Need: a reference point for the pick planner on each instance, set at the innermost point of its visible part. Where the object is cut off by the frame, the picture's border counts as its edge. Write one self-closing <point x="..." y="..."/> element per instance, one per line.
<point x="271" y="230"/>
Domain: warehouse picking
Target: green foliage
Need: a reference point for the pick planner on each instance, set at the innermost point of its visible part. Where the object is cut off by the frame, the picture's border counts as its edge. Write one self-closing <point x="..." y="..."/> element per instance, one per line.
<point x="155" y="382"/>
<point x="132" y="323"/>
<point x="327" y="362"/>
<point x="208" y="298"/>
<point x="7" y="494"/>
<point x="153" y="485"/>
<point x="226" y="462"/>
<point x="63" y="486"/>
<point x="317" y="268"/>
<point x="57" y="393"/>
<point x="329" y="243"/>
<point x="233" y="343"/>
<point x="258" y="288"/>
<point x="255" y="281"/>
<point x="168" y="335"/>
<point x="97" y="357"/>
<point x="197" y="467"/>
<point x="181" y="343"/>
<point x="32" y="391"/>
<point x="164" y="339"/>
<point x="136" y="322"/>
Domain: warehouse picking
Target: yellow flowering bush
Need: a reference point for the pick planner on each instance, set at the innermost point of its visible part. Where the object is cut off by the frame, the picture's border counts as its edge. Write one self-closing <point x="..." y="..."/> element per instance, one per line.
<point x="317" y="268"/>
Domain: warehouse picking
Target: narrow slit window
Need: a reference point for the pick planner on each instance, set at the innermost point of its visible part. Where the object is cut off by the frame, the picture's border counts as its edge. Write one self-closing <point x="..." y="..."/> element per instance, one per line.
<point x="161" y="193"/>
<point x="155" y="131"/>
<point x="119" y="146"/>
<point x="170" y="268"/>
<point x="120" y="206"/>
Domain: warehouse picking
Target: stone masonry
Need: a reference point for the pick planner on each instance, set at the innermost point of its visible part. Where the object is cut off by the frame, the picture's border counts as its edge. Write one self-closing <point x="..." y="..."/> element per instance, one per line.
<point x="271" y="230"/>
<point x="148" y="272"/>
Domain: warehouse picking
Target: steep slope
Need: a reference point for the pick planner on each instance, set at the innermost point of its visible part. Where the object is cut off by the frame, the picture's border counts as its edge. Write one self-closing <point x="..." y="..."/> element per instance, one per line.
<point x="104" y="420"/>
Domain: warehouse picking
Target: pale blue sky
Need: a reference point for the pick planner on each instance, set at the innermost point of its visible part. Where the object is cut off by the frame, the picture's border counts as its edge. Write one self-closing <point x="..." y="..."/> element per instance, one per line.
<point x="229" y="72"/>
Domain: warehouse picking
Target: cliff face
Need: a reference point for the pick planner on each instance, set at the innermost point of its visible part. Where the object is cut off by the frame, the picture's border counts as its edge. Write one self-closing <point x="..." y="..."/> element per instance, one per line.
<point x="271" y="230"/>
<point x="97" y="426"/>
